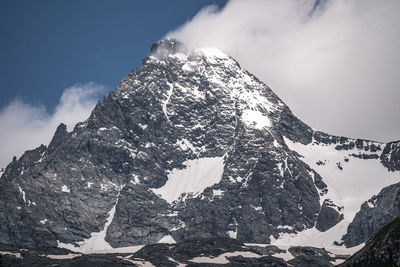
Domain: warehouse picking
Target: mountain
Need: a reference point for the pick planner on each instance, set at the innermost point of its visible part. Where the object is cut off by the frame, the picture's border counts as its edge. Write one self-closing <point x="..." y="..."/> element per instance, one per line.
<point x="191" y="146"/>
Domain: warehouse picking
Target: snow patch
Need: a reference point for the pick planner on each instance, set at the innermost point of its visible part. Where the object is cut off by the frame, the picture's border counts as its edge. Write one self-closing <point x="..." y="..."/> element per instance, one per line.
<point x="187" y="67"/>
<point x="185" y="144"/>
<point x="22" y="192"/>
<point x="286" y="256"/>
<point x="232" y="234"/>
<point x="17" y="254"/>
<point x="63" y="257"/>
<point x="312" y="237"/>
<point x="276" y="144"/>
<point x="167" y="240"/>
<point x="344" y="250"/>
<point x="194" y="178"/>
<point x="217" y="192"/>
<point x="65" y="189"/>
<point x="222" y="259"/>
<point x="256" y="119"/>
<point x="135" y="179"/>
<point x="143" y="126"/>
<point x="176" y="262"/>
<point x="137" y="262"/>
<point x="372" y="203"/>
<point x="288" y="227"/>
<point x="257" y="208"/>
<point x="166" y="101"/>
<point x="281" y="172"/>
<point x="43" y="221"/>
<point x="121" y="250"/>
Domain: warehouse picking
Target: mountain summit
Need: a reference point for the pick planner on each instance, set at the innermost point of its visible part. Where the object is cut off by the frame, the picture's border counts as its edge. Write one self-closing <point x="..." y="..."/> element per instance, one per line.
<point x="189" y="146"/>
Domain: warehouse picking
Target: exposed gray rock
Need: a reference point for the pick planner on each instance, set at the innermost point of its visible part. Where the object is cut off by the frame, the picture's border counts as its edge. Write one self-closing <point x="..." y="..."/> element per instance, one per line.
<point x="138" y="207"/>
<point x="59" y="137"/>
<point x="310" y="257"/>
<point x="374" y="214"/>
<point x="268" y="250"/>
<point x="391" y="156"/>
<point x="329" y="216"/>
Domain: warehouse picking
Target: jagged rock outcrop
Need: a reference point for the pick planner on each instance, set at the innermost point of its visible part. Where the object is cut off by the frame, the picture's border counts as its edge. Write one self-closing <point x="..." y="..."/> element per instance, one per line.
<point x="374" y="214"/>
<point x="391" y="156"/>
<point x="328" y="216"/>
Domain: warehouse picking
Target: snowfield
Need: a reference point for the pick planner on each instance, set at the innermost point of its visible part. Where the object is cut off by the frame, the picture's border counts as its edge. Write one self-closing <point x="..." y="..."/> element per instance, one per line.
<point x="356" y="181"/>
<point x="194" y="178"/>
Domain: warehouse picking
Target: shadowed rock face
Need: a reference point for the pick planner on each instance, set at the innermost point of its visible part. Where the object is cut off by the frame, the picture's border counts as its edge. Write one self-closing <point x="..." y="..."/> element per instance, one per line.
<point x="328" y="217"/>
<point x="180" y="107"/>
<point x="391" y="156"/>
<point x="374" y="214"/>
<point x="383" y="249"/>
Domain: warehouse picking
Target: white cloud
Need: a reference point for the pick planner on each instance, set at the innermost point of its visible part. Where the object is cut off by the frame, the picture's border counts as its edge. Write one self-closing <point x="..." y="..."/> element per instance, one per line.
<point x="24" y="126"/>
<point x="337" y="69"/>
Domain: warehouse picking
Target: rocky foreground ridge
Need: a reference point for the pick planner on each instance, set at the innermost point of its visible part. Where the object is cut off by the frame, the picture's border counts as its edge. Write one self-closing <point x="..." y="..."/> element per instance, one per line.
<point x="201" y="252"/>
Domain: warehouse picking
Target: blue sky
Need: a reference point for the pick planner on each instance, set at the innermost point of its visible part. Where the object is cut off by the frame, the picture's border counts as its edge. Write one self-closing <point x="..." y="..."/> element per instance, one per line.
<point x="47" y="46"/>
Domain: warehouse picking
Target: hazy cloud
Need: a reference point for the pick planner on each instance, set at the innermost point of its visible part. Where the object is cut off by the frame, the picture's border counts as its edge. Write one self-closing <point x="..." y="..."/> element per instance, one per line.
<point x="337" y="69"/>
<point x="24" y="126"/>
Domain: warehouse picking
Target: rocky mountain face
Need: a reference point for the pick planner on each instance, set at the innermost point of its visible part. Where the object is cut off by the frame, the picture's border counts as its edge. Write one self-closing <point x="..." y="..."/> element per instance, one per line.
<point x="190" y="146"/>
<point x="391" y="156"/>
<point x="374" y="214"/>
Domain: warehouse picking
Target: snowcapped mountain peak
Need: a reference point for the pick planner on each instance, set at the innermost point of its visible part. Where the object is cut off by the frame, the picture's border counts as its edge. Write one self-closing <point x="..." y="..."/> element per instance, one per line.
<point x="201" y="74"/>
<point x="190" y="145"/>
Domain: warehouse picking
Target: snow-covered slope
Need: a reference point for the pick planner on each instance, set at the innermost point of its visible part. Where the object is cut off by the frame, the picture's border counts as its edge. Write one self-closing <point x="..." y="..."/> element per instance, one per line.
<point x="353" y="174"/>
<point x="350" y="179"/>
<point x="197" y="175"/>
